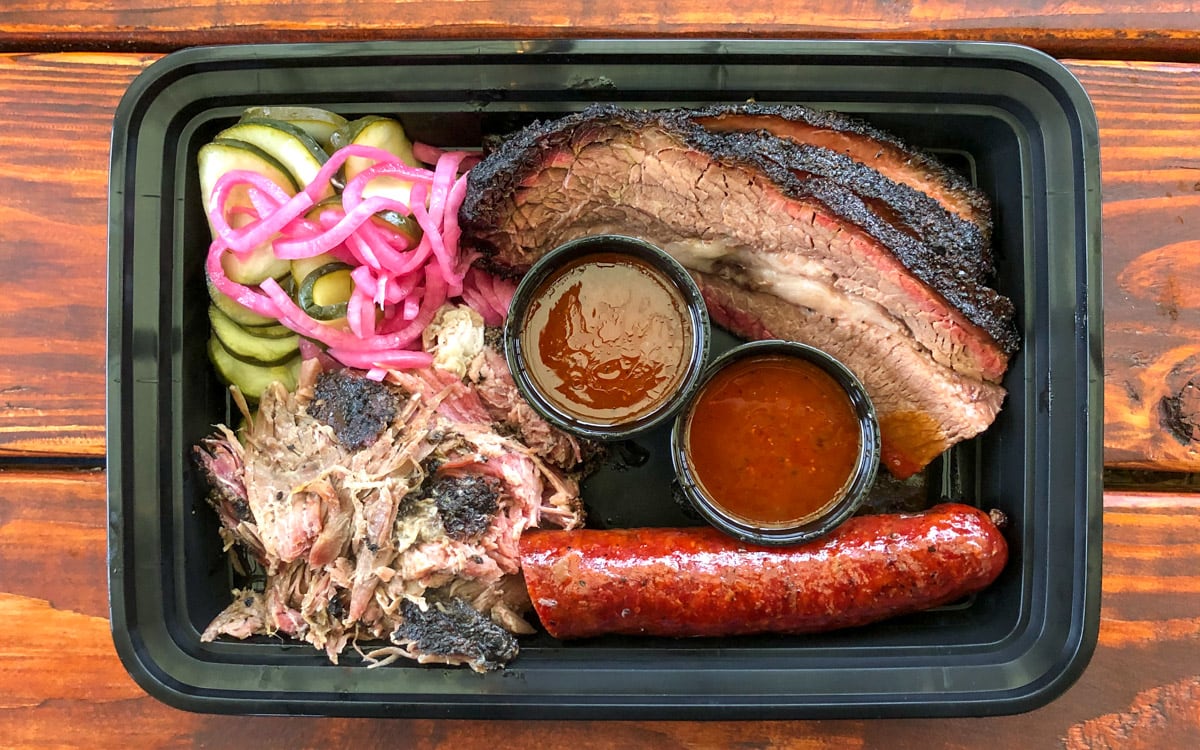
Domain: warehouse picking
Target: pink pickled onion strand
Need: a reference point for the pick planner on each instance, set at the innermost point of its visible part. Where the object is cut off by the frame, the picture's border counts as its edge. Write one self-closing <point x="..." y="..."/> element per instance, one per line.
<point x="400" y="359"/>
<point x="427" y="153"/>
<point x="400" y="289"/>
<point x="451" y="231"/>
<point x="443" y="181"/>
<point x="476" y="302"/>
<point x="354" y="315"/>
<point x="352" y="194"/>
<point x="484" y="287"/>
<point x="362" y="251"/>
<point x="434" y="236"/>
<point x="301" y="227"/>
<point x="412" y="306"/>
<point x="263" y="203"/>
<point x="249" y="237"/>
<point x="360" y="314"/>
<point x="335" y="235"/>
<point x="505" y="289"/>
<point x="381" y="246"/>
<point x="309" y="350"/>
<point x="430" y="154"/>
<point x="366" y="280"/>
<point x="243" y="295"/>
<point x="390" y="275"/>
<point x="250" y="211"/>
<point x="434" y="298"/>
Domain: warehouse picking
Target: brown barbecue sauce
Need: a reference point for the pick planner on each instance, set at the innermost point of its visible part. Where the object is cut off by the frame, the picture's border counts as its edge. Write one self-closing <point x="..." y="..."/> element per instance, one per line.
<point x="607" y="339"/>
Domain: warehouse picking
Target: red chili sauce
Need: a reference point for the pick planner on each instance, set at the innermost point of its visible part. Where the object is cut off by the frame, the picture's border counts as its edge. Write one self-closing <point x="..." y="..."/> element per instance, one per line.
<point x="773" y="440"/>
<point x="607" y="338"/>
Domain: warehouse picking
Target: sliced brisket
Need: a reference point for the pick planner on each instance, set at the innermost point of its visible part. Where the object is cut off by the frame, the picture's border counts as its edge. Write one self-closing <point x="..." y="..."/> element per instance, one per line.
<point x="737" y="206"/>
<point x="961" y="243"/>
<point x="877" y="149"/>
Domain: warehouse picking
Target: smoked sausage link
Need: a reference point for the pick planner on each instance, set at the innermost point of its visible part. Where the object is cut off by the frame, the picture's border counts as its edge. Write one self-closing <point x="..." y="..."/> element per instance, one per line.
<point x="700" y="582"/>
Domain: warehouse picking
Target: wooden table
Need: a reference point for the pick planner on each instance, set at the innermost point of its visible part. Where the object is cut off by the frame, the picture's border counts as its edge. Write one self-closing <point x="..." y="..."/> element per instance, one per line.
<point x="63" y="67"/>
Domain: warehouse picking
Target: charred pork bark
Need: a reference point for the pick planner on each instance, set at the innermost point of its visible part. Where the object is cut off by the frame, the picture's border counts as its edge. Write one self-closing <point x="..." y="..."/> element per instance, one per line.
<point x="466" y="503"/>
<point x="451" y="630"/>
<point x="355" y="407"/>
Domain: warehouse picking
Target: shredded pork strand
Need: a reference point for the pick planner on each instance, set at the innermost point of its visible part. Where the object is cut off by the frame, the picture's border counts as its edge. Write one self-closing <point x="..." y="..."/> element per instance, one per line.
<point x="346" y="541"/>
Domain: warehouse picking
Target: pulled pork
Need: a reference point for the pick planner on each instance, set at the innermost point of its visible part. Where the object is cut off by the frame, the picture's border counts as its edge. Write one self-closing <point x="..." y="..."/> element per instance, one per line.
<point x="389" y="512"/>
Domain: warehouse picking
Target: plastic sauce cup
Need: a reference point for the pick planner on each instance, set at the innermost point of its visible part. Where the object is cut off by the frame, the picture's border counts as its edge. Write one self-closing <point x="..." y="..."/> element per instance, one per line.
<point x="778" y="445"/>
<point x="607" y="336"/>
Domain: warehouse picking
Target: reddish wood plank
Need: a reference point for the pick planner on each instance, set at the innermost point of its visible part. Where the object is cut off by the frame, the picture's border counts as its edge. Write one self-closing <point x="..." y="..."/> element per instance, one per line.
<point x="1109" y="28"/>
<point x="61" y="683"/>
<point x="1151" y="174"/>
<point x="52" y="390"/>
<point x="55" y="120"/>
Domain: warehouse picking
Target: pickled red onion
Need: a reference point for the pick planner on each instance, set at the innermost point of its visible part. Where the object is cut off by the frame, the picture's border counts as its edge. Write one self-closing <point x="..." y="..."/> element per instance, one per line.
<point x="398" y="287"/>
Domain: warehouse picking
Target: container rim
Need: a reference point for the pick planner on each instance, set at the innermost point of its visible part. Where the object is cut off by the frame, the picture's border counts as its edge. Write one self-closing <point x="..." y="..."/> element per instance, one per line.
<point x="1017" y="671"/>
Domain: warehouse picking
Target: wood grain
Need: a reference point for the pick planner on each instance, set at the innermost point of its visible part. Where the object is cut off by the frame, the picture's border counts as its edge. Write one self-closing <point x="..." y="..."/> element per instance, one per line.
<point x="55" y="120"/>
<point x="54" y="215"/>
<point x="64" y="686"/>
<point x="1151" y="185"/>
<point x="1116" y="29"/>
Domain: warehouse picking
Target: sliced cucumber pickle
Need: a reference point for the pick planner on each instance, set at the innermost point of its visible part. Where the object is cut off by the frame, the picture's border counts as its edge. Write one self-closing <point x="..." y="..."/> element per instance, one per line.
<point x="325" y="291"/>
<point x="225" y="155"/>
<point x="320" y="124"/>
<point x="242" y="344"/>
<point x="260" y="265"/>
<point x="302" y="267"/>
<point x="289" y="145"/>
<point x="383" y="133"/>
<point x="397" y="222"/>
<point x="270" y="332"/>
<point x="242" y="316"/>
<point x="251" y="379"/>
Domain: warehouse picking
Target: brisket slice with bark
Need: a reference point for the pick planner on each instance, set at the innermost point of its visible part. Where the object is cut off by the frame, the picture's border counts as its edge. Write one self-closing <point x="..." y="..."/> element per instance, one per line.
<point x="863" y="143"/>
<point x="726" y="209"/>
<point x="897" y="195"/>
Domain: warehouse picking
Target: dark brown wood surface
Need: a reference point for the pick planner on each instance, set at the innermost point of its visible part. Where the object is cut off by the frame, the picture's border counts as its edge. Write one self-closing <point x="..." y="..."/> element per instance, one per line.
<point x="63" y="67"/>
<point x="1110" y="29"/>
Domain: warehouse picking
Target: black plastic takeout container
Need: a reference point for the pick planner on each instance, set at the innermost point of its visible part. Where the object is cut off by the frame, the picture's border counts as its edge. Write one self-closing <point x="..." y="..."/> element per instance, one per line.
<point x="579" y="249"/>
<point x="840" y="507"/>
<point x="1013" y="119"/>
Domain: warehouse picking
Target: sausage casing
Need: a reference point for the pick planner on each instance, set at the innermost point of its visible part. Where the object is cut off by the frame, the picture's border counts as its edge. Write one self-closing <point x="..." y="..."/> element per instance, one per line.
<point x="684" y="582"/>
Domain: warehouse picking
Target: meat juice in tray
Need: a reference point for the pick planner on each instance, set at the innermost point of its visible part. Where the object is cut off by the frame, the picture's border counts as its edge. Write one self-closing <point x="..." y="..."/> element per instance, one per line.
<point x="384" y="506"/>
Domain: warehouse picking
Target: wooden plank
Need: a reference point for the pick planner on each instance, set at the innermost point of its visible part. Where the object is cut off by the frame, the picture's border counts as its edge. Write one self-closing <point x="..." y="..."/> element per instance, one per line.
<point x="1106" y="29"/>
<point x="63" y="684"/>
<point x="55" y="120"/>
<point x="52" y="317"/>
<point x="1150" y="164"/>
